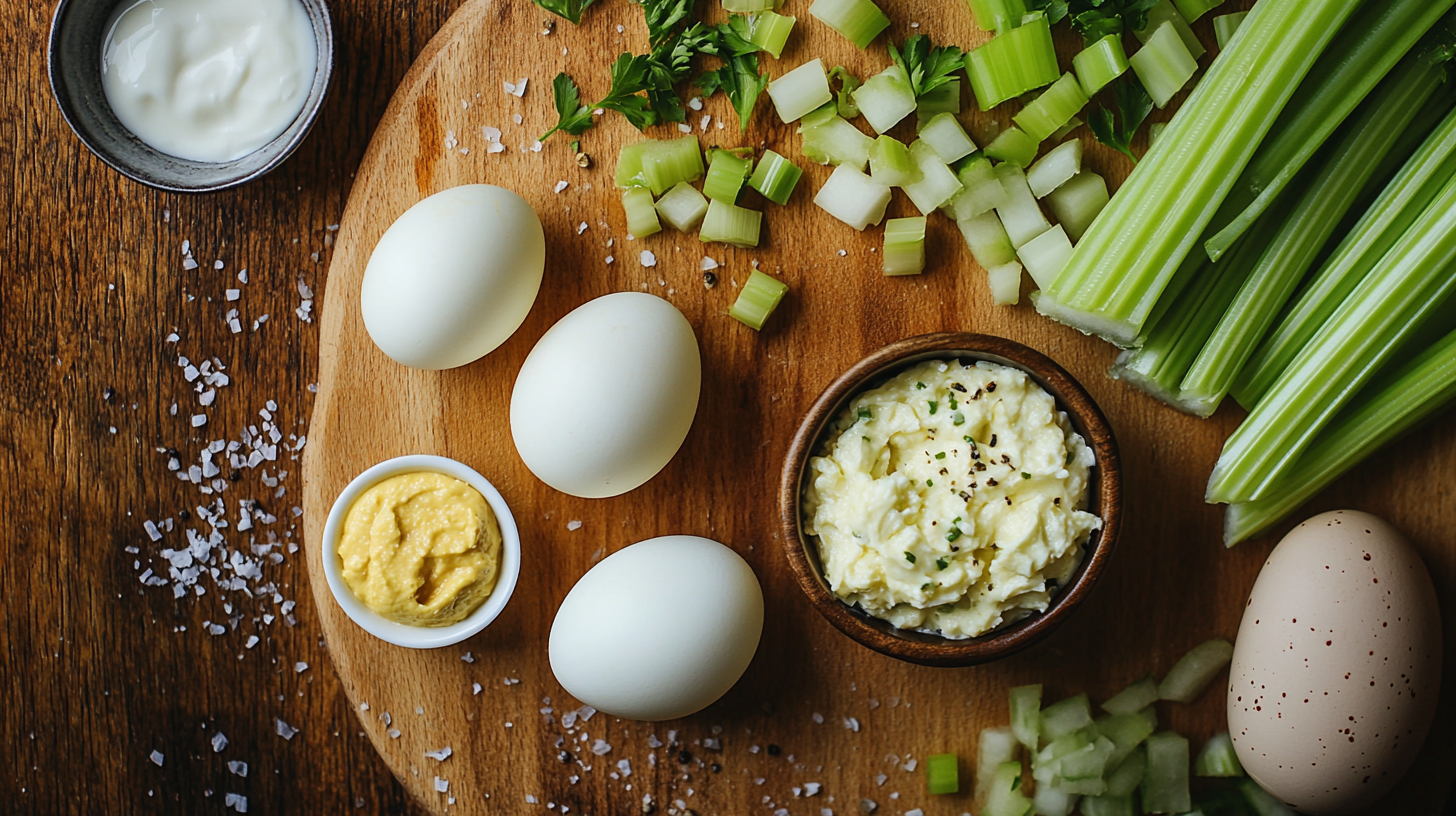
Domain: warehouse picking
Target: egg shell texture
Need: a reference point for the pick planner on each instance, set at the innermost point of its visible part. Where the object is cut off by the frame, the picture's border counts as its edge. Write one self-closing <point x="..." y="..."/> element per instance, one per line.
<point x="607" y="396"/>
<point x="454" y="277"/>
<point x="658" y="630"/>
<point x="1337" y="666"/>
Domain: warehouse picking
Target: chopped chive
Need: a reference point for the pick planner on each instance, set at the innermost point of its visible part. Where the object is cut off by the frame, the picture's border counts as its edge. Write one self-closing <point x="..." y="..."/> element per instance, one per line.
<point x="1025" y="475"/>
<point x="955" y="533"/>
<point x="933" y="406"/>
<point x="864" y="413"/>
<point x="910" y="556"/>
<point x="929" y="483"/>
<point x="952" y="402"/>
<point x="1069" y="458"/>
<point x="926" y="586"/>
<point x="940" y="455"/>
<point x="920" y="386"/>
<point x="959" y="418"/>
<point x="947" y="609"/>
<point x="972" y="442"/>
<point x="941" y="563"/>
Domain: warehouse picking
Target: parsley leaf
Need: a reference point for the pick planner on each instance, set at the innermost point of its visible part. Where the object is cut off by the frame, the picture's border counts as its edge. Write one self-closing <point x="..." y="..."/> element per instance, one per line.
<point x="572" y="116"/>
<point x="1056" y="10"/>
<point x="631" y="75"/>
<point x="740" y="80"/>
<point x="1133" y="106"/>
<point x="928" y="67"/>
<point x="1098" y="18"/>
<point x="567" y="9"/>
<point x="664" y="16"/>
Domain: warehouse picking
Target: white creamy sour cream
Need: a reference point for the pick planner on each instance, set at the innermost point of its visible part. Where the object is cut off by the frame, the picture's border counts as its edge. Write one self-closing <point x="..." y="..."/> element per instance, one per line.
<point x="208" y="80"/>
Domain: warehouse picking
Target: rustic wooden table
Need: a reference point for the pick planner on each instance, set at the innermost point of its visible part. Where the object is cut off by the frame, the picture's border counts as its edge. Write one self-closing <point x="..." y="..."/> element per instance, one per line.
<point x="100" y="670"/>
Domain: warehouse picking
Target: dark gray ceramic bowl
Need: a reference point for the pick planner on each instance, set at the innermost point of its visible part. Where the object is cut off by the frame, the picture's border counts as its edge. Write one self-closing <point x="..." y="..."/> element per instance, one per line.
<point x="75" y="73"/>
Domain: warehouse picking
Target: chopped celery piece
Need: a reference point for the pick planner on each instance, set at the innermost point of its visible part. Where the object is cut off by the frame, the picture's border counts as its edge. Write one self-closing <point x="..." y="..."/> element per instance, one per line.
<point x="1225" y="26"/>
<point x="1403" y="200"/>
<point x="1134" y="698"/>
<point x="771" y="31"/>
<point x="641" y="214"/>
<point x="844" y="97"/>
<point x="1026" y="707"/>
<point x="1165" y="782"/>
<point x="832" y="140"/>
<point x="726" y="173"/>
<point x="1163" y="65"/>
<point x="980" y="191"/>
<point x="1054" y="108"/>
<point x="1081" y="771"/>
<point x="885" y="98"/>
<point x="1100" y="63"/>
<point x="1045" y="255"/>
<point x="998" y="15"/>
<point x="1077" y="203"/>
<point x="776" y="177"/>
<point x="1124" y="778"/>
<point x="947" y="138"/>
<point x="1398" y="293"/>
<point x="1021" y="215"/>
<point x="726" y="223"/>
<point x="934" y="183"/>
<point x="1046" y="766"/>
<point x="1127" y="731"/>
<point x="1064" y="130"/>
<point x="944" y="99"/>
<point x="1054" y="169"/>
<point x="1006" y="797"/>
<point x="853" y="197"/>
<point x="995" y="747"/>
<point x="629" y="165"/>
<point x="1123" y="264"/>
<point x="1005" y="283"/>
<point x="904" y="252"/>
<point x="1218" y="758"/>
<point x="890" y="162"/>
<point x="665" y="163"/>
<point x="1019" y="60"/>
<point x="1308" y="220"/>
<point x="1379" y="415"/>
<point x="1193" y="9"/>
<point x="760" y="296"/>
<point x="1165" y="12"/>
<point x="942" y="774"/>
<point x="1049" y="801"/>
<point x="986" y="237"/>
<point x="1260" y="800"/>
<point x="748" y="6"/>
<point x="1107" y="805"/>
<point x="1366" y="49"/>
<point x="801" y="90"/>
<point x="860" y="21"/>
<point x="1013" y="146"/>
<point x="1064" y="717"/>
<point x="1195" y="670"/>
<point x="683" y="207"/>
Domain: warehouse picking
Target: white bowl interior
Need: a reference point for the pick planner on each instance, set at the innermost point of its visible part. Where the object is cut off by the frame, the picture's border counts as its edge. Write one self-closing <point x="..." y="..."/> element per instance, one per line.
<point x="422" y="637"/>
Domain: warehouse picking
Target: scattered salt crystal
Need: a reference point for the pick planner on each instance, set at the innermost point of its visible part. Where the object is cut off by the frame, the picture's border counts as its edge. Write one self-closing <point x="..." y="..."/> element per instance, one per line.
<point x="440" y="755"/>
<point x="152" y="532"/>
<point x="300" y="667"/>
<point x="450" y="140"/>
<point x="476" y="687"/>
<point x="580" y="228"/>
<point x="843" y="253"/>
<point x="468" y="657"/>
<point x="517" y="119"/>
<point x="573" y="525"/>
<point x="610" y="258"/>
<point x="172" y="338"/>
<point x="189" y="264"/>
<point x="708" y="263"/>
<point x="648" y="259"/>
<point x="219" y="742"/>
<point x="237" y="802"/>
<point x="157" y="758"/>
<point x="852" y="724"/>
<point x="530" y="800"/>
<point x="252" y="641"/>
<point x="238" y="767"/>
<point x="217" y="265"/>
<point x="880" y="780"/>
<point x="520" y="89"/>
<point x="704" y="122"/>
<point x="243" y="276"/>
<point x="285" y="730"/>
<point x="560" y="185"/>
<point x="536" y="146"/>
<point x="909" y="765"/>
<point x="817" y="718"/>
<point x="653" y="741"/>
<point x="811" y="788"/>
<point x="393" y="733"/>
<point x="442" y="785"/>
<point x="696" y="103"/>
<point x="599" y="747"/>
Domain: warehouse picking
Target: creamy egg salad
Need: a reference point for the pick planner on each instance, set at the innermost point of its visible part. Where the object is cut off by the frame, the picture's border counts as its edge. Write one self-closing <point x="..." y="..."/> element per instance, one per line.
<point x="951" y="499"/>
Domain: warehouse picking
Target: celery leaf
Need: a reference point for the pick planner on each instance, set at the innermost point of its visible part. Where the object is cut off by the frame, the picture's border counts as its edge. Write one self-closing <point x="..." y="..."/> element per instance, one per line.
<point x="572" y="116"/>
<point x="927" y="66"/>
<point x="1133" y="106"/>
<point x="566" y="9"/>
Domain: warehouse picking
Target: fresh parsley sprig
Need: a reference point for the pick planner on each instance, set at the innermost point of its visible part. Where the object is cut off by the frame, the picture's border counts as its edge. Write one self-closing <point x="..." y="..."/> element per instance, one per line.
<point x="566" y="9"/>
<point x="1098" y="18"/>
<point x="1133" y="106"/>
<point x="928" y="66"/>
<point x="572" y="116"/>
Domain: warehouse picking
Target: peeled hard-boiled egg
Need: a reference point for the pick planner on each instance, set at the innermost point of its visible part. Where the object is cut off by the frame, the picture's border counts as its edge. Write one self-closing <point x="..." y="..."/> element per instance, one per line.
<point x="454" y="277"/>
<point x="607" y="396"/>
<point x="658" y="630"/>
<point x="1338" y="665"/>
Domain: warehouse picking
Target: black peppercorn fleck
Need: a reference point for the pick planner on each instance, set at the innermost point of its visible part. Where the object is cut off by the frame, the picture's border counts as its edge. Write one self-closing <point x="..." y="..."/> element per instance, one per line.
<point x="684" y="757"/>
<point x="774" y="750"/>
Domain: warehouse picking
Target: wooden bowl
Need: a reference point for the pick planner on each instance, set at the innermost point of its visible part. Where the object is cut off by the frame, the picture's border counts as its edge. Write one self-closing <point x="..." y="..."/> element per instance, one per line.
<point x="1105" y="500"/>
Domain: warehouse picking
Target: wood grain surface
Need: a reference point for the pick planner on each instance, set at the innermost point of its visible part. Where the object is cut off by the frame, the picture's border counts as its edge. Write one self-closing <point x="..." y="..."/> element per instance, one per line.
<point x="813" y="707"/>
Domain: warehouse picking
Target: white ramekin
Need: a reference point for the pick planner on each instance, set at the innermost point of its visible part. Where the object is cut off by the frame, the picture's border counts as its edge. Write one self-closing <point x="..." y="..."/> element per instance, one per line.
<point x="422" y="637"/>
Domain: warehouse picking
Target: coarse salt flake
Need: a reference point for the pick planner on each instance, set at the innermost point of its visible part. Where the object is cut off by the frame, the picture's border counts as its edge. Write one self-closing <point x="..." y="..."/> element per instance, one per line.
<point x="236" y="801"/>
<point x="219" y="742"/>
<point x="442" y="785"/>
<point x="648" y="259"/>
<point x="285" y="730"/>
<point x="157" y="758"/>
<point x="440" y="755"/>
<point x="573" y="525"/>
<point x="238" y="767"/>
<point x="561" y="185"/>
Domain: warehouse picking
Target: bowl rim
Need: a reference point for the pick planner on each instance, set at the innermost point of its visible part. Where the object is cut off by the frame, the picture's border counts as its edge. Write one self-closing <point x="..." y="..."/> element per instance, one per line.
<point x="1105" y="497"/>
<point x="61" y="92"/>
<point x="421" y="637"/>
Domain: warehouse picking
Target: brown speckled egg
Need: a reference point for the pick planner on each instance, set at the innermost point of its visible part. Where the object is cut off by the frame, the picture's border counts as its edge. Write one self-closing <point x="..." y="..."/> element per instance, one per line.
<point x="1337" y="665"/>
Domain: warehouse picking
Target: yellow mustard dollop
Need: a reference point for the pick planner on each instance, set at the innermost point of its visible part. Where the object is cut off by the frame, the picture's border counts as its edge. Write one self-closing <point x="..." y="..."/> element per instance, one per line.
<point x="422" y="549"/>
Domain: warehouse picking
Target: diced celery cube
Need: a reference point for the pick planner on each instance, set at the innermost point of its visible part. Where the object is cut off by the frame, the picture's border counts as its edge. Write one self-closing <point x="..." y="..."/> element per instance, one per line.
<point x="771" y="32"/>
<point x="1164" y="12"/>
<point x="890" y="162"/>
<point x="800" y="91"/>
<point x="730" y="224"/>
<point x="1045" y="255"/>
<point x="775" y="178"/>
<point x="1218" y="758"/>
<point x="934" y="184"/>
<point x="1135" y="697"/>
<point x="1005" y="282"/>
<point x="980" y="191"/>
<point x="1006" y="797"/>
<point x="665" y="163"/>
<point x="1054" y="169"/>
<point x="995" y="747"/>
<point x="832" y="140"/>
<point x="904" y="251"/>
<point x="1126" y="776"/>
<point x="853" y="197"/>
<point x="1076" y="205"/>
<point x="1066" y="716"/>
<point x="885" y="98"/>
<point x="1164" y="65"/>
<point x="760" y="297"/>
<point x="1054" y="108"/>
<point x="1021" y="215"/>
<point x="1127" y="731"/>
<point x="1013" y="147"/>
<point x="946" y="136"/>
<point x="641" y="214"/>
<point x="1025" y="700"/>
<point x="683" y="207"/>
<point x="1100" y="63"/>
<point x="986" y="238"/>
<point x="942" y="774"/>
<point x="1165" y="783"/>
<point x="726" y="173"/>
<point x="1192" y="674"/>
<point x="1049" y="801"/>
<point x="858" y="20"/>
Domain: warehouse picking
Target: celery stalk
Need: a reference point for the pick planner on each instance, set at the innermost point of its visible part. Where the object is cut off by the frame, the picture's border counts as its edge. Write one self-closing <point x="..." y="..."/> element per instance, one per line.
<point x="1226" y="26"/>
<point x="1308" y="224"/>
<point x="890" y="162"/>
<point x="934" y="184"/>
<point x="853" y="197"/>
<point x="942" y="774"/>
<point x="1056" y="168"/>
<point x="727" y="171"/>
<point x="1165" y="783"/>
<point x="1077" y="202"/>
<point x="1016" y="61"/>
<point x="1013" y="146"/>
<point x="904" y="252"/>
<point x="760" y="297"/>
<point x="1163" y="65"/>
<point x="998" y="15"/>
<point x="1365" y="51"/>
<point x="800" y="91"/>
<point x="1412" y="278"/>
<point x="858" y="20"/>
<point x="665" y="163"/>
<point x="1166" y="12"/>
<point x="683" y="207"/>
<point x="944" y="133"/>
<point x="771" y="31"/>
<point x="1193" y="9"/>
<point x="747" y="6"/>
<point x="726" y="223"/>
<point x="1194" y="671"/>
<point x="1100" y="63"/>
<point x="1054" y="108"/>
<point x="775" y="177"/>
<point x="1128" y="257"/>
<point x="1379" y="415"/>
<point x="641" y="214"/>
<point x="1386" y="220"/>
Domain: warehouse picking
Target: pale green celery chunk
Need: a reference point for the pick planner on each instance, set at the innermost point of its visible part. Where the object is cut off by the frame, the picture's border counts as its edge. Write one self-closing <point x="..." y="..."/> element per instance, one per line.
<point x="683" y="207"/>
<point x="1013" y="146"/>
<point x="1077" y="203"/>
<point x="1218" y="758"/>
<point x="986" y="238"/>
<point x="1165" y="782"/>
<point x="1054" y="169"/>
<point x="1021" y="215"/>
<point x="1126" y="775"/>
<point x="832" y="140"/>
<point x="853" y="197"/>
<point x="1026" y="715"/>
<point x="1127" y="731"/>
<point x="801" y="90"/>
<point x="1051" y="110"/>
<point x="1195" y="670"/>
<point x="890" y="162"/>
<point x="860" y="21"/>
<point x="980" y="191"/>
<point x="730" y="224"/>
<point x="935" y="184"/>
<point x="904" y="251"/>
<point x="1005" y="282"/>
<point x="1134" y="698"/>
<point x="1045" y="255"/>
<point x="1163" y="65"/>
<point x="885" y="98"/>
<point x="1066" y="716"/>
<point x="1166" y="12"/>
<point x="1006" y="797"/>
<point x="1226" y="26"/>
<point x="995" y="747"/>
<point x="641" y="214"/>
<point x="946" y="136"/>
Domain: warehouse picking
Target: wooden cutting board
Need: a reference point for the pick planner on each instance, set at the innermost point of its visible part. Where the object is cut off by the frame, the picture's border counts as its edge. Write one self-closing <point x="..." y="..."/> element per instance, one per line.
<point x="814" y="707"/>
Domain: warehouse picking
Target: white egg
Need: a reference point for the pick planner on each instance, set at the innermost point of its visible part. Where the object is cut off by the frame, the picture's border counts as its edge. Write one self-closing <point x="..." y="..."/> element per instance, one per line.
<point x="607" y="396"/>
<point x="454" y="277"/>
<point x="658" y="630"/>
